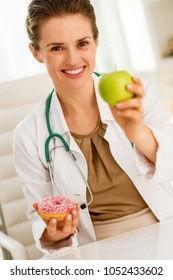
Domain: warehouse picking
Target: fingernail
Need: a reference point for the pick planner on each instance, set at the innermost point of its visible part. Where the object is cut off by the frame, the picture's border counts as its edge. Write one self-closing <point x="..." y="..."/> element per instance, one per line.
<point x="130" y="87"/>
<point x="53" y="221"/>
<point x="69" y="217"/>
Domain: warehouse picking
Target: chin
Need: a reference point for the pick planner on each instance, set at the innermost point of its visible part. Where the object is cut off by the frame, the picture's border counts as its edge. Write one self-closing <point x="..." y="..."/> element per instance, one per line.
<point x="80" y="83"/>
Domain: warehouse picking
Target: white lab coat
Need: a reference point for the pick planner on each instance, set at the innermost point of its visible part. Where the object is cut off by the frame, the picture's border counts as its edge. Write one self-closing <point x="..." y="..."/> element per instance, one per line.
<point x="152" y="182"/>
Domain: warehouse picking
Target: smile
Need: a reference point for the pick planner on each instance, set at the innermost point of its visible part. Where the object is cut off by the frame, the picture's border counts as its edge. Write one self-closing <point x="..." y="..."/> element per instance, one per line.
<point x="74" y="71"/>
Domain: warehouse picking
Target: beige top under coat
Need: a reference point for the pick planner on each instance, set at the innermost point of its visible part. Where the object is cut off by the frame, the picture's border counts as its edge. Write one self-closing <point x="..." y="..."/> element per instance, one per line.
<point x="113" y="191"/>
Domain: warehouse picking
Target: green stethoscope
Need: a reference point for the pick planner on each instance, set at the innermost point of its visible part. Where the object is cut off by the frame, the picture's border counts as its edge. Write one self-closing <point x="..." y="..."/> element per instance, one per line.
<point x="51" y="136"/>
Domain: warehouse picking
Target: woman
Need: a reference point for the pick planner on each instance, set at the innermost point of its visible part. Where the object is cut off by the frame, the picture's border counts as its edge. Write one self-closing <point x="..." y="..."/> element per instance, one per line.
<point x="124" y="151"/>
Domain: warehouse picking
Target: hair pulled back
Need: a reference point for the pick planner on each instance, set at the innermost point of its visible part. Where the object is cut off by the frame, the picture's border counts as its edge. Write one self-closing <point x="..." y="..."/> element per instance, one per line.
<point x="39" y="11"/>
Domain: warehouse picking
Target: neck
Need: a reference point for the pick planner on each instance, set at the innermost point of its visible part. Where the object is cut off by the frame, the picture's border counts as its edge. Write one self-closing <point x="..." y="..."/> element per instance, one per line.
<point x="77" y="101"/>
<point x="80" y="108"/>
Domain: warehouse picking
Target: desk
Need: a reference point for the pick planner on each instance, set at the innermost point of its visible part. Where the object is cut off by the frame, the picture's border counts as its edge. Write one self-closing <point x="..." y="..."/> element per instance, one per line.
<point x="152" y="242"/>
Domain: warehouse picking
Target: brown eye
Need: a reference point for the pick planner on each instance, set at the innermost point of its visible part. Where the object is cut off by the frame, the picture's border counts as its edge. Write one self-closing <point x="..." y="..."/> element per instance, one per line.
<point x="56" y="49"/>
<point x="83" y="44"/>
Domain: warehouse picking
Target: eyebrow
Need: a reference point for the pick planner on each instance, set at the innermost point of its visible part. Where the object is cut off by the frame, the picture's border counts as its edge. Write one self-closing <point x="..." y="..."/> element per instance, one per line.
<point x="61" y="44"/>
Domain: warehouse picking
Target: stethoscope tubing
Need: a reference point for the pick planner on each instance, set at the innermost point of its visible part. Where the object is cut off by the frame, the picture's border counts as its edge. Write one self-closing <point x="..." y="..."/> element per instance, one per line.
<point x="51" y="136"/>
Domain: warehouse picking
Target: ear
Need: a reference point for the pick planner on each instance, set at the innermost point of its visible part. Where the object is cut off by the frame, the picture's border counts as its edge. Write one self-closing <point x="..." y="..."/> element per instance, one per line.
<point x="35" y="53"/>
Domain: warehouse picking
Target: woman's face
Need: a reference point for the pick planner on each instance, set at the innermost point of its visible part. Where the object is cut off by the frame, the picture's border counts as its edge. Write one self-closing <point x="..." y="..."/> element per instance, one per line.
<point x="68" y="49"/>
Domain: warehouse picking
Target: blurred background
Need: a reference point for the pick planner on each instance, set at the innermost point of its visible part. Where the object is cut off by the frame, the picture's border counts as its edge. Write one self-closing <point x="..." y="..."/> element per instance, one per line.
<point x="136" y="35"/>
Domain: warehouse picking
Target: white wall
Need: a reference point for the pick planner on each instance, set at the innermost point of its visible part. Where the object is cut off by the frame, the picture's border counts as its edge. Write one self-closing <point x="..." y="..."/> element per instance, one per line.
<point x="17" y="61"/>
<point x="112" y="52"/>
<point x="15" y="58"/>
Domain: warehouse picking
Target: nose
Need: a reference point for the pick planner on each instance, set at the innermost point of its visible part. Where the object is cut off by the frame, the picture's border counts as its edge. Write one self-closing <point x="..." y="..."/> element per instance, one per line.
<point x="72" y="57"/>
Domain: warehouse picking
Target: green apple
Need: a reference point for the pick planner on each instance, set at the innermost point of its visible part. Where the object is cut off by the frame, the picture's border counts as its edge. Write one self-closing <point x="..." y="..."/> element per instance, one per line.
<point x="112" y="87"/>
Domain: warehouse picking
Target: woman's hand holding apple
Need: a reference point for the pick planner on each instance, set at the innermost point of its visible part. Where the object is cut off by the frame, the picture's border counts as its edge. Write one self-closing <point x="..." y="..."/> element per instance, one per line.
<point x="116" y="88"/>
<point x="124" y="96"/>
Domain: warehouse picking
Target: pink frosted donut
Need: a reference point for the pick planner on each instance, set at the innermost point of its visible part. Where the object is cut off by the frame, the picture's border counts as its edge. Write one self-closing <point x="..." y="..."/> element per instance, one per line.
<point x="55" y="207"/>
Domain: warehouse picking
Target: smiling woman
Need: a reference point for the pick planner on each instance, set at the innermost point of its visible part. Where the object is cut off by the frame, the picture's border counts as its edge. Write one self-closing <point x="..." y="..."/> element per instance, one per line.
<point x="75" y="144"/>
<point x="67" y="47"/>
<point x="18" y="64"/>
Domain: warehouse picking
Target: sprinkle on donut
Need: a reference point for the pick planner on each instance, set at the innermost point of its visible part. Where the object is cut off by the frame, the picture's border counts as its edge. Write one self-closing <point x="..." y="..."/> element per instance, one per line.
<point x="56" y="204"/>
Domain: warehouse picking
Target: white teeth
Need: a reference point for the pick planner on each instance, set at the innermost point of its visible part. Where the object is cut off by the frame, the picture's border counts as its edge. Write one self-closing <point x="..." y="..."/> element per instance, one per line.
<point x="74" y="72"/>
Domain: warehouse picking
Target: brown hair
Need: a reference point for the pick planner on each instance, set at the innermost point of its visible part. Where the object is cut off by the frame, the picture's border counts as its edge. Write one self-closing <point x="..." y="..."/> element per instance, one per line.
<point x="41" y="10"/>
